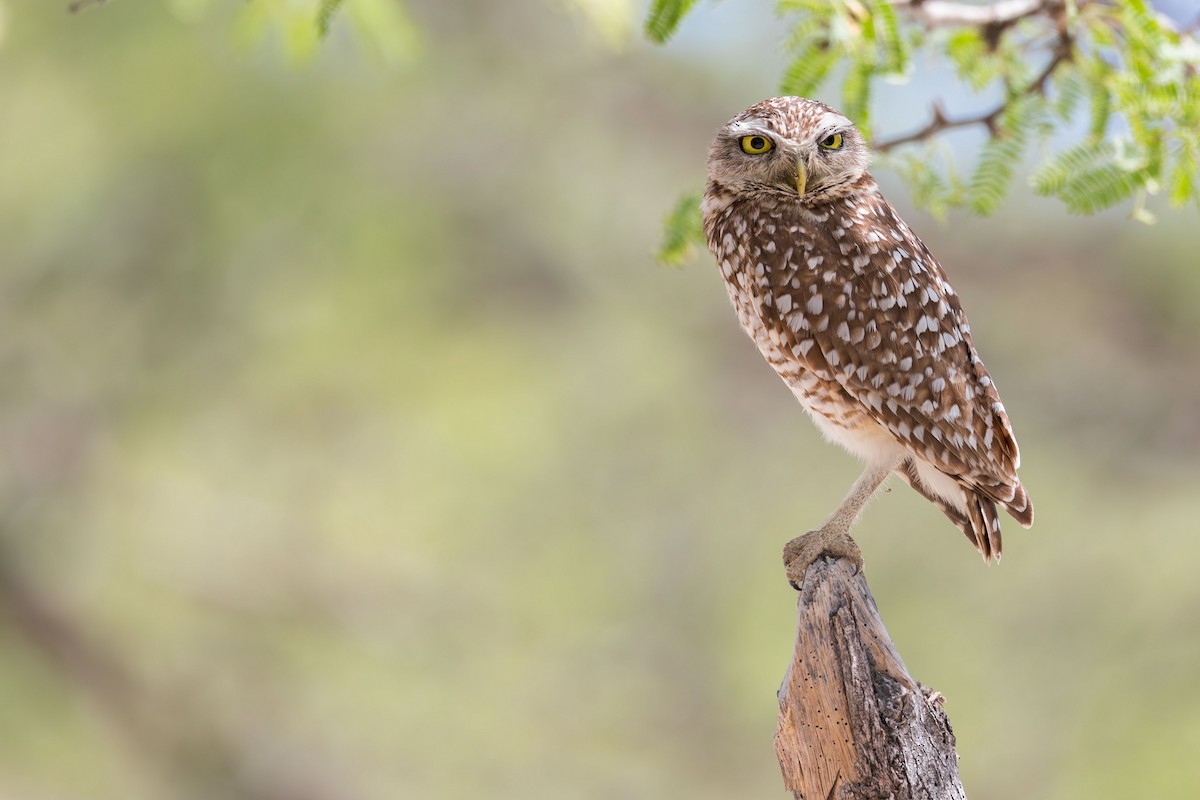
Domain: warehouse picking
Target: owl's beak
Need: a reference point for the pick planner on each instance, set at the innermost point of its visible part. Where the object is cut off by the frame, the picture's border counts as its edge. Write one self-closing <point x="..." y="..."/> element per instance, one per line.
<point x="801" y="177"/>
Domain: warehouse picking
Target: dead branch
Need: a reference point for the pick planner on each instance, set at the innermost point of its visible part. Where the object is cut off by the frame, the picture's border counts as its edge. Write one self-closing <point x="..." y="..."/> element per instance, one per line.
<point x="853" y="724"/>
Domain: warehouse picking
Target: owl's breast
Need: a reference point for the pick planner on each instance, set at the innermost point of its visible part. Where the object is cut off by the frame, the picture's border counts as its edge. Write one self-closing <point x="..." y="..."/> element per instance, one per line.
<point x="771" y="261"/>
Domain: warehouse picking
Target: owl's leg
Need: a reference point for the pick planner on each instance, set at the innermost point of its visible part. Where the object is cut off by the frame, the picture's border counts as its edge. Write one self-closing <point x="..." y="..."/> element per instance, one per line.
<point x="833" y="538"/>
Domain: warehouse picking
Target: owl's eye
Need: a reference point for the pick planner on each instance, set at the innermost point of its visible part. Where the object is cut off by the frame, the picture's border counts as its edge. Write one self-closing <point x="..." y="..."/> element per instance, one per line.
<point x="756" y="145"/>
<point x="832" y="142"/>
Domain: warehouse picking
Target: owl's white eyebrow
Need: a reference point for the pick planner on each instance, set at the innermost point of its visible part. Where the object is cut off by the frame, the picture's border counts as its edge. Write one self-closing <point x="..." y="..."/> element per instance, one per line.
<point x="833" y="120"/>
<point x="749" y="129"/>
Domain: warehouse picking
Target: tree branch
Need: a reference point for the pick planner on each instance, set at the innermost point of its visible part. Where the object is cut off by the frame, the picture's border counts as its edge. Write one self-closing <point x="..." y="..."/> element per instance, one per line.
<point x="1062" y="53"/>
<point x="939" y="13"/>
<point x="853" y="724"/>
<point x="938" y="124"/>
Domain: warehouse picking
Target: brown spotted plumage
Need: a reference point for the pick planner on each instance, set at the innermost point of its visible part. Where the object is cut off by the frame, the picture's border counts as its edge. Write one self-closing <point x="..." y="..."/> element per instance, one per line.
<point x="857" y="316"/>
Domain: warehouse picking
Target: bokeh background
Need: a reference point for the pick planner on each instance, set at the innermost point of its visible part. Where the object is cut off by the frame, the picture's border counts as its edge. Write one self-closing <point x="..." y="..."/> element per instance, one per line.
<point x="354" y="446"/>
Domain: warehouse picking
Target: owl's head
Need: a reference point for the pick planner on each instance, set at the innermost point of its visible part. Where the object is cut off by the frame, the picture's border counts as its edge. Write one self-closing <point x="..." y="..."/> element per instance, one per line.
<point x="791" y="146"/>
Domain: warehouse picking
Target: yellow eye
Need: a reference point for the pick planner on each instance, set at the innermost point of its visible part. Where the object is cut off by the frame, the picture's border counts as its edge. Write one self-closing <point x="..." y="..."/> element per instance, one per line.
<point x="756" y="145"/>
<point x="832" y="142"/>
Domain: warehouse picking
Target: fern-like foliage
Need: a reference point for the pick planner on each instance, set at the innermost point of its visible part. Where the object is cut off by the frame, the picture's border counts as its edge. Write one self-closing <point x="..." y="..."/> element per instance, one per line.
<point x="681" y="231"/>
<point x="807" y="72"/>
<point x="932" y="176"/>
<point x="664" y="17"/>
<point x="1002" y="154"/>
<point x="325" y="11"/>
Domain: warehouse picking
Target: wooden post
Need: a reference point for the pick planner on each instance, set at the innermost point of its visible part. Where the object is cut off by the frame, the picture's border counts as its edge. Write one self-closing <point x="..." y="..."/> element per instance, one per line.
<point x="853" y="724"/>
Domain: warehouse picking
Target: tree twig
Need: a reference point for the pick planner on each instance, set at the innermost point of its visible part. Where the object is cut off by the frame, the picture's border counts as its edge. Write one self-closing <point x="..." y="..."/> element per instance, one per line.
<point x="939" y="122"/>
<point x="938" y="13"/>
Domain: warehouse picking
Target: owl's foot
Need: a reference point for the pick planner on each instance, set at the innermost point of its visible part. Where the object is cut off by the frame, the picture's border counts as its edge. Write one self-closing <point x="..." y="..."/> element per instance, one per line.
<point x="801" y="552"/>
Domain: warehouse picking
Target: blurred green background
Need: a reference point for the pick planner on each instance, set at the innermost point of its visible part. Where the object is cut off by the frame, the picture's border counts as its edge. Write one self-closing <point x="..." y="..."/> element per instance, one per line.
<point x="355" y="447"/>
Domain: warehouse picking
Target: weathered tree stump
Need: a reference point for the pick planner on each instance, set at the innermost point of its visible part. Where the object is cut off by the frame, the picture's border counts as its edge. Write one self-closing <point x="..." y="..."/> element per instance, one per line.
<point x="853" y="724"/>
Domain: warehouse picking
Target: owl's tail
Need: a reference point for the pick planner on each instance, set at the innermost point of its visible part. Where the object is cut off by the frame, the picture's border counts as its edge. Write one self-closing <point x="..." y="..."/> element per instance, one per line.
<point x="1020" y="507"/>
<point x="978" y="517"/>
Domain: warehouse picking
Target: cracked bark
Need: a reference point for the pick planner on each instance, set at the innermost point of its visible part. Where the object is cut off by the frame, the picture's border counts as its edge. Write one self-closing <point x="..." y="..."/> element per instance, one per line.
<point x="853" y="724"/>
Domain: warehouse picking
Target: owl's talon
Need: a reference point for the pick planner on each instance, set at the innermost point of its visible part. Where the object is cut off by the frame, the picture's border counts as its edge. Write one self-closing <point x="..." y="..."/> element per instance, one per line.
<point x="800" y="553"/>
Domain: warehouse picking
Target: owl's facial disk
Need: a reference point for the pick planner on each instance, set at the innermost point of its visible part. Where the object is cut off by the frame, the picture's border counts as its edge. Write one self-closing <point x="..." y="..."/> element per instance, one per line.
<point x="791" y="145"/>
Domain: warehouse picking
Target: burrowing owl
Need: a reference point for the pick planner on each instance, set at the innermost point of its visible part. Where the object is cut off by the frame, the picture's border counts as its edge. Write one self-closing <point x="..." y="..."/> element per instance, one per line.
<point x="859" y="320"/>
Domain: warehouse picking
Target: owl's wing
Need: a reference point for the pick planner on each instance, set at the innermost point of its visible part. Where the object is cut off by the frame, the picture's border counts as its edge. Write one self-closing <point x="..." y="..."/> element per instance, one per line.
<point x="871" y="309"/>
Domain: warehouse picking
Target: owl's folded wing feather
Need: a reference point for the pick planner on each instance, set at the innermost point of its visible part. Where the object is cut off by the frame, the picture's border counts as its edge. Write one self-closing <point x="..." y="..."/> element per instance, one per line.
<point x="884" y="323"/>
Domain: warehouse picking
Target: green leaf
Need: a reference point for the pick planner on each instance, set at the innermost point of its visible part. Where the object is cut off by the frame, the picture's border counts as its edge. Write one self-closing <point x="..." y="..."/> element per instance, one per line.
<point x="664" y="17"/>
<point x="1142" y="25"/>
<point x="806" y="73"/>
<point x="1099" y="99"/>
<point x="683" y="231"/>
<point x="804" y="6"/>
<point x="887" y="27"/>
<point x="1102" y="188"/>
<point x="1054" y="175"/>
<point x="934" y="189"/>
<point x="1182" y="186"/>
<point x="808" y="31"/>
<point x="1067" y="90"/>
<point x="856" y="95"/>
<point x="973" y="62"/>
<point x="1096" y="175"/>
<point x="997" y="162"/>
<point x="1000" y="156"/>
<point x="325" y="11"/>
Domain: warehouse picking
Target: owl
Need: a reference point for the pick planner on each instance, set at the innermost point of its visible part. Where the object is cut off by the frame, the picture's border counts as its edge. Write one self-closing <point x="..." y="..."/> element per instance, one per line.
<point x="859" y="320"/>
